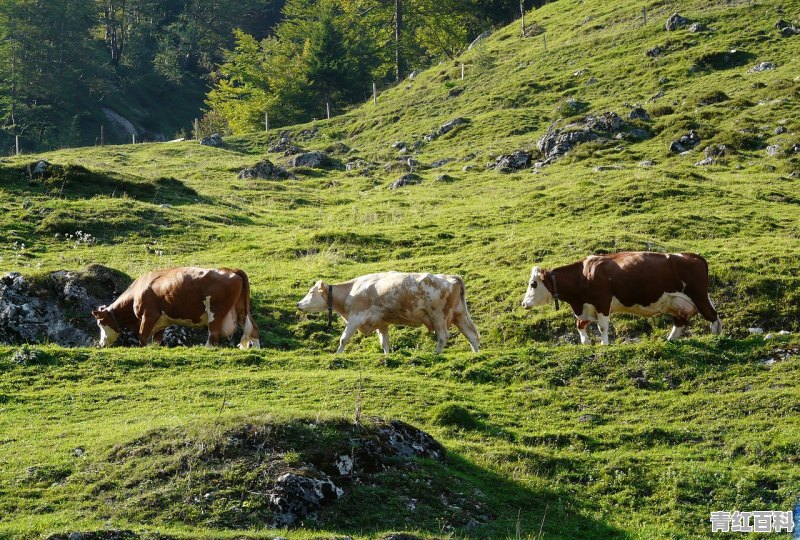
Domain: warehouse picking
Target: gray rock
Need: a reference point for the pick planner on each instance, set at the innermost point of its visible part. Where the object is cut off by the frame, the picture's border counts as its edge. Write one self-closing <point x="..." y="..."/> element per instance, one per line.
<point x="511" y="162"/>
<point x="397" y="145"/>
<point x="606" y="122"/>
<point x="638" y="113"/>
<point x="409" y="179"/>
<point x="295" y="497"/>
<point x="445" y="178"/>
<point x="698" y="27"/>
<point x="703" y="162"/>
<point x="263" y="170"/>
<point x="685" y="143"/>
<point x="592" y="80"/>
<point x="676" y="22"/>
<point x="603" y="168"/>
<point x="773" y="150"/>
<point x="647" y="163"/>
<point x="314" y="160"/>
<point x="441" y="162"/>
<point x="41" y="167"/>
<point x="283" y="145"/>
<point x="763" y="66"/>
<point x="407" y="441"/>
<point x="214" y="140"/>
<point x="795" y="149"/>
<point x="786" y="29"/>
<point x="56" y="308"/>
<point x="446" y="128"/>
<point x="467" y="168"/>
<point x="780" y="130"/>
<point x="655" y="52"/>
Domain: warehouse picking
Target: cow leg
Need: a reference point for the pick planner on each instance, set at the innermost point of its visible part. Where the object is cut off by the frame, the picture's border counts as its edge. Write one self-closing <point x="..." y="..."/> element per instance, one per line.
<point x="249" y="334"/>
<point x="582" y="325"/>
<point x="158" y="337"/>
<point x="146" y="327"/>
<point x="464" y="323"/>
<point x="349" y="330"/>
<point x="214" y="332"/>
<point x="603" y="322"/>
<point x="383" y="335"/>
<point x="442" y="334"/>
<point x="678" y="326"/>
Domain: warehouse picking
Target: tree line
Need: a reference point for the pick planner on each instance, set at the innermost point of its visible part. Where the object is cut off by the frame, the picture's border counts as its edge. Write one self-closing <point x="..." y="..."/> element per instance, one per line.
<point x="160" y="62"/>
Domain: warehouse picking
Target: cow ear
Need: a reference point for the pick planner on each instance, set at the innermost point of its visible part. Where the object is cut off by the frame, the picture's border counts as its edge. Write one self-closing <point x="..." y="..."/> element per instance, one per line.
<point x="97" y="313"/>
<point x="541" y="275"/>
<point x="321" y="286"/>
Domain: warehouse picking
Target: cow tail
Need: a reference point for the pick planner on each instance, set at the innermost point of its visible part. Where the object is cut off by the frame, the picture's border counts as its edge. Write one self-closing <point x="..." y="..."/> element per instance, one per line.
<point x="246" y="292"/>
<point x="463" y="290"/>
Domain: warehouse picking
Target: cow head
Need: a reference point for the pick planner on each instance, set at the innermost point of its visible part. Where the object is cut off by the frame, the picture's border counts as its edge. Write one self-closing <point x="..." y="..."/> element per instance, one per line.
<point x="109" y="328"/>
<point x="316" y="300"/>
<point x="537" y="294"/>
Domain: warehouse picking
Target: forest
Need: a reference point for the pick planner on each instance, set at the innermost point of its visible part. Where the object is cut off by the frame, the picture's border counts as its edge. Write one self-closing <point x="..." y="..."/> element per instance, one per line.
<point x="146" y="68"/>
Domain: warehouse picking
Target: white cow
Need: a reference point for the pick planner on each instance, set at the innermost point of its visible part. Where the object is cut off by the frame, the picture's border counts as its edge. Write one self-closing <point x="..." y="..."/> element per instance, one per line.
<point x="371" y="303"/>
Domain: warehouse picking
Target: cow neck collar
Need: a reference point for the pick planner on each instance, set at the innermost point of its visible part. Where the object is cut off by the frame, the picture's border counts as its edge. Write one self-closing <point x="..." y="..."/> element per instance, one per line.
<point x="330" y="306"/>
<point x="555" y="288"/>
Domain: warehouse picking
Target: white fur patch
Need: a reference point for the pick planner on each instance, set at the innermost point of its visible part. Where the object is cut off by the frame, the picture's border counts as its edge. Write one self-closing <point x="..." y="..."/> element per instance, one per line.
<point x="209" y="313"/>
<point x="671" y="303"/>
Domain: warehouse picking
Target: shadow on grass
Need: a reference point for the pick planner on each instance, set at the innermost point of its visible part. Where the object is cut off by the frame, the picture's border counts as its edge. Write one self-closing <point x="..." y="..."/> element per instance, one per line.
<point x="77" y="182"/>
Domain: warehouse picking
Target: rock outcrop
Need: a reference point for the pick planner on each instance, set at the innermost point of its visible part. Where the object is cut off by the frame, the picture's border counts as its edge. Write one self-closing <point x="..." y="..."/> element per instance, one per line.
<point x="264" y="170"/>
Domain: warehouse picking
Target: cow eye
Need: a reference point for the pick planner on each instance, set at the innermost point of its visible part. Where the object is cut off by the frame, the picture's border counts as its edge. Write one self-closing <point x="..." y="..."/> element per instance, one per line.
<point x="534" y="284"/>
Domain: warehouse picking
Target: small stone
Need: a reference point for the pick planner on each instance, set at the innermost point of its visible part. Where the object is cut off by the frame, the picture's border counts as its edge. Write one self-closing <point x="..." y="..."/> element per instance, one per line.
<point x="773" y="150"/>
<point x="655" y="52"/>
<point x="675" y="22"/>
<point x="763" y="66"/>
<point x="409" y="179"/>
<point x="444" y="178"/>
<point x="647" y="163"/>
<point x="780" y="130"/>
<point x="467" y="168"/>
<point x="756" y="331"/>
<point x="591" y="81"/>
<point x="214" y="140"/>
<point x="698" y="27"/>
<point x="638" y="113"/>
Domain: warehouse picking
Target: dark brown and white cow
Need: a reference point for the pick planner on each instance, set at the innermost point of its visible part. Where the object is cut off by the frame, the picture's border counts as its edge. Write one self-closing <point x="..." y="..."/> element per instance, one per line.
<point x="371" y="303"/>
<point x="195" y="297"/>
<point x="642" y="283"/>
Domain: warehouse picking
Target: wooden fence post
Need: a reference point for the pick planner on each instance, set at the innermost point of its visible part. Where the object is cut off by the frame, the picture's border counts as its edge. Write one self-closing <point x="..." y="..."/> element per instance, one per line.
<point x="644" y="16"/>
<point x="133" y="138"/>
<point x="196" y="129"/>
<point x="522" y="12"/>
<point x="462" y="71"/>
<point x="102" y="135"/>
<point x="266" y="121"/>
<point x="328" y="109"/>
<point x="16" y="138"/>
<point x="544" y="38"/>
<point x="374" y="94"/>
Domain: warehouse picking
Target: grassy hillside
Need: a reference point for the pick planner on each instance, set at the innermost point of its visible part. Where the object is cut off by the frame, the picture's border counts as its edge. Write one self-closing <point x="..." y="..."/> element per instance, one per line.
<point x="637" y="440"/>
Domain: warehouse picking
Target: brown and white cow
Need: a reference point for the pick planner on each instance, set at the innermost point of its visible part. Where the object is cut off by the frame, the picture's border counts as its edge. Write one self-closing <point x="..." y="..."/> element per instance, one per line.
<point x="642" y="283"/>
<point x="371" y="303"/>
<point x="195" y="297"/>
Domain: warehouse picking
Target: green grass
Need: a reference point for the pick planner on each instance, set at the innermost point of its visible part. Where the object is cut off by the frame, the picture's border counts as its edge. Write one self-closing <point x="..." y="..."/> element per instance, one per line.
<point x="641" y="439"/>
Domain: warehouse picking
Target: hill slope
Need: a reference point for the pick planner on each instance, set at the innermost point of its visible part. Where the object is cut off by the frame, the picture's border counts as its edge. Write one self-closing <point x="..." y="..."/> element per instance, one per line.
<point x="638" y="440"/>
